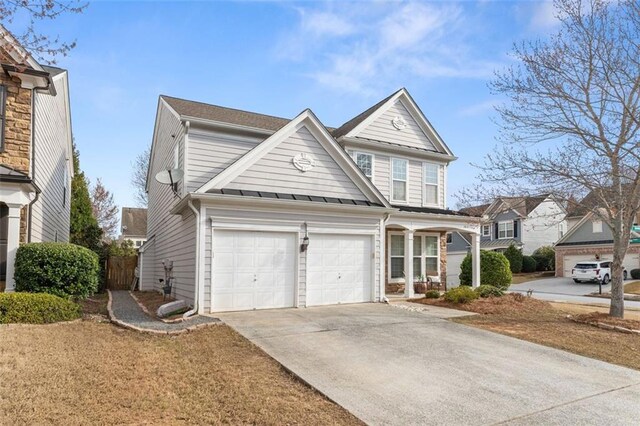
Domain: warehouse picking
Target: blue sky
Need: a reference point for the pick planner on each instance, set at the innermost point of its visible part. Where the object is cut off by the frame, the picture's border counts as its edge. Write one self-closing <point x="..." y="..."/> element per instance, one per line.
<point x="337" y="58"/>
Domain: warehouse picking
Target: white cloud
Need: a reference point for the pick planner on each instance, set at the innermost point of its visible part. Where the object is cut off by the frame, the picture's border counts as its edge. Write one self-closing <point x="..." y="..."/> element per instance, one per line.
<point x="366" y="49"/>
<point x="479" y="109"/>
<point x="543" y="16"/>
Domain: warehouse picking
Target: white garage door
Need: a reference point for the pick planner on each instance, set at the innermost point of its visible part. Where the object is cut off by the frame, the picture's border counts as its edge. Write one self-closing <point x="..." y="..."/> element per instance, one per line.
<point x="339" y="269"/>
<point x="253" y="270"/>
<point x="453" y="269"/>
<point x="631" y="261"/>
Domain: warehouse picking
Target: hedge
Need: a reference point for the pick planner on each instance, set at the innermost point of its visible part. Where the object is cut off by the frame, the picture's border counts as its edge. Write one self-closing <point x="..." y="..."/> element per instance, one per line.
<point x="545" y="257"/>
<point x="529" y="264"/>
<point x="485" y="291"/>
<point x="36" y="308"/>
<point x="494" y="270"/>
<point x="514" y="256"/>
<point x="62" y="269"/>
<point x="462" y="294"/>
<point x="635" y="274"/>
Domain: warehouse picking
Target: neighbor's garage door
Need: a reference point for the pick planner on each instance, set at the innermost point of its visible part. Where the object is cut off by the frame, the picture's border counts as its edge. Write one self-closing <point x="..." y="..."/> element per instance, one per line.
<point x="339" y="269"/>
<point x="453" y="269"/>
<point x="630" y="261"/>
<point x="253" y="270"/>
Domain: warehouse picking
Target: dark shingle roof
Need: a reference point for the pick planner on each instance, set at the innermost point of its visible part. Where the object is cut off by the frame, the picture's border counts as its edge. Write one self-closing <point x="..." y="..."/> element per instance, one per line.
<point x="134" y="222"/>
<point x="351" y="124"/>
<point x="494" y="244"/>
<point x="476" y="210"/>
<point x="225" y="115"/>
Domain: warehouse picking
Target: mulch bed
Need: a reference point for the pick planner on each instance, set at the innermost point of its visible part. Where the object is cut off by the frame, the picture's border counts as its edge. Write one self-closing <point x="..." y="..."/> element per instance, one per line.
<point x="94" y="306"/>
<point x="152" y="300"/>
<point x="601" y="318"/>
<point x="512" y="303"/>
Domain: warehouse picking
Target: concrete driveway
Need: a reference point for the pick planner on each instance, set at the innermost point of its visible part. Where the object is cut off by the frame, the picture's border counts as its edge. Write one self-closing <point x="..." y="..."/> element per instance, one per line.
<point x="389" y="365"/>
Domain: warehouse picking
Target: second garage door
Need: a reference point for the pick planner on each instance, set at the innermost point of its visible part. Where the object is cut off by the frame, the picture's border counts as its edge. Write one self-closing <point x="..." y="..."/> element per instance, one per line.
<point x="339" y="269"/>
<point x="630" y="261"/>
<point x="253" y="270"/>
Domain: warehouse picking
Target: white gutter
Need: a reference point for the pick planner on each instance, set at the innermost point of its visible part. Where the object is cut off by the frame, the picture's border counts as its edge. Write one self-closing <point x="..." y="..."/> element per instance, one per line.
<point x="194" y="310"/>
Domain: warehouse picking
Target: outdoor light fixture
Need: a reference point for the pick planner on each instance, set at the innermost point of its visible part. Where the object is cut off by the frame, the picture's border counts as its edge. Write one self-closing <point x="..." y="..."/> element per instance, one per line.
<point x="305" y="240"/>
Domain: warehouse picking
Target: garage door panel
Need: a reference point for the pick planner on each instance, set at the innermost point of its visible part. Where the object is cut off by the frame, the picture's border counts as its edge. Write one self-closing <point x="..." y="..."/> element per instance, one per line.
<point x="253" y="270"/>
<point x="339" y="269"/>
<point x="630" y="261"/>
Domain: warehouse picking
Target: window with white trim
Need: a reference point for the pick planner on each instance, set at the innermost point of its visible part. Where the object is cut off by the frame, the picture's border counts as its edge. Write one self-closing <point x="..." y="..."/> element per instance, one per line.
<point x="486" y="230"/>
<point x="505" y="230"/>
<point x="396" y="256"/>
<point x="597" y="226"/>
<point x="365" y="163"/>
<point x="399" y="179"/>
<point x="431" y="173"/>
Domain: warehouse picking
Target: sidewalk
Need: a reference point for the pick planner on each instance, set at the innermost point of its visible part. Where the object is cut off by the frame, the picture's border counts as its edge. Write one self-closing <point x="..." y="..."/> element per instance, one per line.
<point x="126" y="312"/>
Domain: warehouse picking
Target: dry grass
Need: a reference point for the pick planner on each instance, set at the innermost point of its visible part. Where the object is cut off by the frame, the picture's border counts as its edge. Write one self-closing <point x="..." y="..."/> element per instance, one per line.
<point x="578" y="309"/>
<point x="531" y="276"/>
<point x="95" y="373"/>
<point x="540" y="322"/>
<point x="632" y="287"/>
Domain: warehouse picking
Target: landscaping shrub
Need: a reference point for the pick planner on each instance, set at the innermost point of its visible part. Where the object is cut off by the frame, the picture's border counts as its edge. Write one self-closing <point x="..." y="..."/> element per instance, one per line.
<point x="545" y="258"/>
<point x="462" y="294"/>
<point x="36" y="308"/>
<point x="635" y="274"/>
<point x="514" y="256"/>
<point x="494" y="269"/>
<point x="485" y="291"/>
<point x="432" y="294"/>
<point x="528" y="264"/>
<point x="62" y="269"/>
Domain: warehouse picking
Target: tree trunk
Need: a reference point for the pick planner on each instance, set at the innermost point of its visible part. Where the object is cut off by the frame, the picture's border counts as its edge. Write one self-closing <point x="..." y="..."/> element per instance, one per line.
<point x="620" y="245"/>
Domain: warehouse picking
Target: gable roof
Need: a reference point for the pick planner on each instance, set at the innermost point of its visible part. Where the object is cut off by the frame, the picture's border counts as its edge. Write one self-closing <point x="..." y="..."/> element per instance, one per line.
<point x="356" y="125"/>
<point x="355" y="121"/>
<point x="308" y="119"/>
<point x="194" y="109"/>
<point x="476" y="210"/>
<point x="134" y="222"/>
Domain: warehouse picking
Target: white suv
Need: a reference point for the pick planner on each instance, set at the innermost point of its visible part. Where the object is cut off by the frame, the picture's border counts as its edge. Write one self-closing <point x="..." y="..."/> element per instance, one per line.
<point x="597" y="270"/>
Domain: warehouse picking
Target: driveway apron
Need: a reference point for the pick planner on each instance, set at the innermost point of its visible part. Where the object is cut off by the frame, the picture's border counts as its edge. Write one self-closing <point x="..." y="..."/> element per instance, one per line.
<point x="392" y="365"/>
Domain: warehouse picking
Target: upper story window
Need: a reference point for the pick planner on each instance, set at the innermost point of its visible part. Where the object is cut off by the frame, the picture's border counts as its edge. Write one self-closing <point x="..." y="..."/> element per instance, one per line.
<point x="597" y="226"/>
<point x="399" y="179"/>
<point x="365" y="163"/>
<point x="505" y="229"/>
<point x="3" y="103"/>
<point x="486" y="230"/>
<point x="431" y="184"/>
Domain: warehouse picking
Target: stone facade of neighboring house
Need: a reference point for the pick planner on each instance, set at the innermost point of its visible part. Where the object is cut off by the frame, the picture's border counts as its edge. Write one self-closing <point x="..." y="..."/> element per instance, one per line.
<point x="35" y="153"/>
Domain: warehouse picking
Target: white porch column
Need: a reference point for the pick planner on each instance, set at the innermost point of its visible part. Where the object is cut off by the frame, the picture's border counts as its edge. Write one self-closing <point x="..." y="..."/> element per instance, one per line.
<point x="13" y="241"/>
<point x="475" y="260"/>
<point x="408" y="263"/>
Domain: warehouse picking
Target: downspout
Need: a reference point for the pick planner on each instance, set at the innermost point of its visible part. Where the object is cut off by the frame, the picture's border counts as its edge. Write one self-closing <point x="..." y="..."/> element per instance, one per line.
<point x="383" y="257"/>
<point x="194" y="310"/>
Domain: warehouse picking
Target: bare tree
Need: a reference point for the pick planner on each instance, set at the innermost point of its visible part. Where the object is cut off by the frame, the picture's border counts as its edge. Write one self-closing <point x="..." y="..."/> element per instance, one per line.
<point x="105" y="210"/>
<point x="570" y="126"/>
<point x="139" y="176"/>
<point x="44" y="47"/>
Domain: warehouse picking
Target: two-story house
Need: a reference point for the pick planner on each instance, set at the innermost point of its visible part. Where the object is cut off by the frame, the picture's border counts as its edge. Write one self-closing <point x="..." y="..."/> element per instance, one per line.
<point x="35" y="153"/>
<point x="133" y="224"/>
<point x="588" y="238"/>
<point x="269" y="212"/>
<point x="527" y="222"/>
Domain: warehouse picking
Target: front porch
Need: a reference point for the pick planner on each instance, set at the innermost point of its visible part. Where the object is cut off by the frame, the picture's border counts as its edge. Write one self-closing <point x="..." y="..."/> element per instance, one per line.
<point x="415" y="245"/>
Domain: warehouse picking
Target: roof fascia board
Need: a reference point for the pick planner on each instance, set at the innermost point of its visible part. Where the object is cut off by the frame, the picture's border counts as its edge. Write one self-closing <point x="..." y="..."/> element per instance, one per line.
<point x="415" y="112"/>
<point x="453" y="218"/>
<point x="17" y="51"/>
<point x="161" y="103"/>
<point x="393" y="149"/>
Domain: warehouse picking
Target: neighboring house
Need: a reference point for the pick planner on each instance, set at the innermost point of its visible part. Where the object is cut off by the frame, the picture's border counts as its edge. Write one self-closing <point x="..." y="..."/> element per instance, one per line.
<point x="588" y="238"/>
<point x="526" y="222"/>
<point x="134" y="225"/>
<point x="276" y="212"/>
<point x="35" y="153"/>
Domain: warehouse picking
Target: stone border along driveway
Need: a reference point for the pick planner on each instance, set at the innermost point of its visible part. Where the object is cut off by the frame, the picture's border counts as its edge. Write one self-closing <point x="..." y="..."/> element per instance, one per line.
<point x="124" y="311"/>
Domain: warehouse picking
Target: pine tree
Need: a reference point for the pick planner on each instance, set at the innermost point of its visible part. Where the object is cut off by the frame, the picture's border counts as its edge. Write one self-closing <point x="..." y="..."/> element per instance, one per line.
<point x="85" y="230"/>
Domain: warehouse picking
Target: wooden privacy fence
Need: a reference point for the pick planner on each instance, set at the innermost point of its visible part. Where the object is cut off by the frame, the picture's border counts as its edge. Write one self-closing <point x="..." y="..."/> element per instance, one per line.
<point x="120" y="271"/>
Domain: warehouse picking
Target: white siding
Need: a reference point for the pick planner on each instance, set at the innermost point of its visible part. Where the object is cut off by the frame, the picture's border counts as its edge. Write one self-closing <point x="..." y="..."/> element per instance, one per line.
<point x="275" y="171"/>
<point x="175" y="235"/>
<point x="50" y="215"/>
<point x="147" y="270"/>
<point x="540" y="228"/>
<point x="382" y="176"/>
<point x="296" y="219"/>
<point x="211" y="152"/>
<point x="382" y="129"/>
